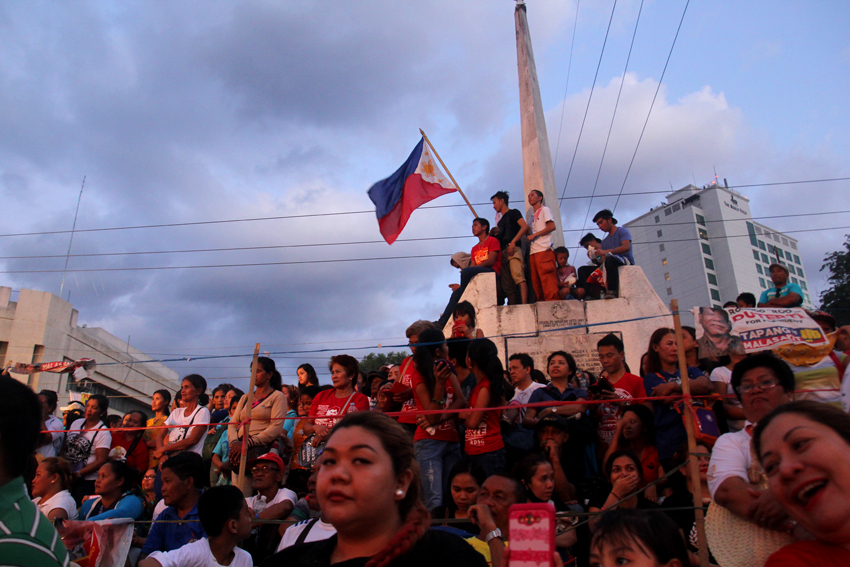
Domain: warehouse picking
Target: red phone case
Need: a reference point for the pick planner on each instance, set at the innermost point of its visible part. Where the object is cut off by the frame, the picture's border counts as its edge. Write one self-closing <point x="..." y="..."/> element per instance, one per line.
<point x="531" y="530"/>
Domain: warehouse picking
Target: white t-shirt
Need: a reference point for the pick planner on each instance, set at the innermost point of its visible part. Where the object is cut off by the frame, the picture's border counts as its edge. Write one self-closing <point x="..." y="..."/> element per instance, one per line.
<point x="282" y="495"/>
<point x="730" y="458"/>
<point x="320" y="531"/>
<point x="538" y="223"/>
<point x="52" y="449"/>
<point x="198" y="554"/>
<point x="724" y="375"/>
<point x="159" y="508"/>
<point x="522" y="396"/>
<point x="61" y="499"/>
<point x="78" y="442"/>
<point x="200" y="415"/>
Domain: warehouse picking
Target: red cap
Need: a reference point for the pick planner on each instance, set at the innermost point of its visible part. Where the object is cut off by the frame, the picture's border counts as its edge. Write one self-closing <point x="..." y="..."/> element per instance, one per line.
<point x="269" y="457"/>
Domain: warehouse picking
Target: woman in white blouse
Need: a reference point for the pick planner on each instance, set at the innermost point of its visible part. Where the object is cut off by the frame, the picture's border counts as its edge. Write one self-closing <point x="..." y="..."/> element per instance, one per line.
<point x="50" y="489"/>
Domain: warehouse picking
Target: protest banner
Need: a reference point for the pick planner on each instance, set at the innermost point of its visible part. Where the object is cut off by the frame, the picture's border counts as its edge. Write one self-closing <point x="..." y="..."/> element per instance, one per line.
<point x="721" y="331"/>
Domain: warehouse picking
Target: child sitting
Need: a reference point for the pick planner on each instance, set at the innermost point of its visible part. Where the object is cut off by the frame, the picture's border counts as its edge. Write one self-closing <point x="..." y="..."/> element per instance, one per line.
<point x="464" y="322"/>
<point x="226" y="520"/>
<point x="566" y="273"/>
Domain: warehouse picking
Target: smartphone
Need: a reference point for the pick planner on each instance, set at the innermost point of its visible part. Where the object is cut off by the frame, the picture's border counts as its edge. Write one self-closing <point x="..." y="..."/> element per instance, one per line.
<point x="440" y="362"/>
<point x="532" y="535"/>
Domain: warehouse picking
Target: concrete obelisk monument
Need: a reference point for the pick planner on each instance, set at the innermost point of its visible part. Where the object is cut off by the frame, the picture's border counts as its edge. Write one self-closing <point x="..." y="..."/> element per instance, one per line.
<point x="536" y="157"/>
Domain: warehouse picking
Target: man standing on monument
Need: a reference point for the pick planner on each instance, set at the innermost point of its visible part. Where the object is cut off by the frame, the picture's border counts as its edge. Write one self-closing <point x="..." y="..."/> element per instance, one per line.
<point x="616" y="249"/>
<point x="510" y="229"/>
<point x="541" y="257"/>
<point x="785" y="294"/>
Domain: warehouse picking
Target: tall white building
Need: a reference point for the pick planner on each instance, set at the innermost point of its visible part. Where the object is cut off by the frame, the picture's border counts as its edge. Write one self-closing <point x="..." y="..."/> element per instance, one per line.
<point x="703" y="248"/>
<point x="42" y="327"/>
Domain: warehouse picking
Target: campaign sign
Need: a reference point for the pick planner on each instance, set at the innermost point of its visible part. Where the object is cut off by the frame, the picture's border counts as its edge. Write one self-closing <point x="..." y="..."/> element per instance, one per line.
<point x="720" y="331"/>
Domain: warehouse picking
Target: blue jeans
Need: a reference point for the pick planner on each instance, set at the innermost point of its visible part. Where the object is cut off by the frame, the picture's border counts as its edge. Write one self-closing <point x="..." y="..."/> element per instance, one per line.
<point x="466" y="276"/>
<point x="492" y="462"/>
<point x="436" y="459"/>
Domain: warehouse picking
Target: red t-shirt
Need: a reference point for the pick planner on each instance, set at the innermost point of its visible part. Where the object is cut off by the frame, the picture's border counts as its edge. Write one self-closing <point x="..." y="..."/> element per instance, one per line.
<point x="487" y="437"/>
<point x="628" y="387"/>
<point x="138" y="459"/>
<point x="481" y="252"/>
<point x="808" y="553"/>
<point x="443" y="431"/>
<point x="406" y="379"/>
<point x="326" y="403"/>
<point x="650" y="464"/>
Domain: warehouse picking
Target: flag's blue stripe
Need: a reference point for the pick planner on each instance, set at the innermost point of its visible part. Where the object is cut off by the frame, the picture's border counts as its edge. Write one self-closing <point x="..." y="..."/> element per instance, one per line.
<point x="387" y="192"/>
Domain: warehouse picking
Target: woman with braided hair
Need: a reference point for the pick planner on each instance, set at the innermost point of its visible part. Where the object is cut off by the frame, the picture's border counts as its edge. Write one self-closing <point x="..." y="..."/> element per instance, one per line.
<point x="369" y="490"/>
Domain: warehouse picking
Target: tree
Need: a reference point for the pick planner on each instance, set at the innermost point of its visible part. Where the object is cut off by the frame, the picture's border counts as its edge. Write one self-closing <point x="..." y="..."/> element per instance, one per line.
<point x="835" y="300"/>
<point x="374" y="360"/>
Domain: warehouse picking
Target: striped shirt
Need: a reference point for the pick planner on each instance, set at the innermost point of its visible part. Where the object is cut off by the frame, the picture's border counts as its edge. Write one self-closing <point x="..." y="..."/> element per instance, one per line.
<point x="27" y="538"/>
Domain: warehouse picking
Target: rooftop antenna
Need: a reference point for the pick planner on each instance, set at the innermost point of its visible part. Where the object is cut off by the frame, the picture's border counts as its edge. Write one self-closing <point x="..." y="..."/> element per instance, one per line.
<point x="71" y="241"/>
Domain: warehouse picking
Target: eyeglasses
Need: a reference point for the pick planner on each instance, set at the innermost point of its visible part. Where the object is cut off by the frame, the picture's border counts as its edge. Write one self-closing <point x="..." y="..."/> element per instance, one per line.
<point x="765" y="384"/>
<point x="263" y="469"/>
<point x="149" y="477"/>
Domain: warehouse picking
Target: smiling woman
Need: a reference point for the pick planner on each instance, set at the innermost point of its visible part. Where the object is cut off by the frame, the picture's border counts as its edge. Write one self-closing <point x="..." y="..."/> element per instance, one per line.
<point x="369" y="489"/>
<point x="804" y="448"/>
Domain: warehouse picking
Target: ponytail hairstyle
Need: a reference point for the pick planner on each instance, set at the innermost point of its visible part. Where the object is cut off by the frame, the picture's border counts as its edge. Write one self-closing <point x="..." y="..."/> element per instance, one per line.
<point x="484" y="356"/>
<point x="276" y="380"/>
<point x="58" y="465"/>
<point x="199" y="383"/>
<point x="396" y="442"/>
<point x="423" y="359"/>
<point x="166" y="395"/>
<point x="464" y="308"/>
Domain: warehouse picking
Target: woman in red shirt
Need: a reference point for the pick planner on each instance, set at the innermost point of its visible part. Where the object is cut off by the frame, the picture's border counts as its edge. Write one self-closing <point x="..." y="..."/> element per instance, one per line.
<point x="334" y="403"/>
<point x="483" y="441"/>
<point x="435" y="441"/>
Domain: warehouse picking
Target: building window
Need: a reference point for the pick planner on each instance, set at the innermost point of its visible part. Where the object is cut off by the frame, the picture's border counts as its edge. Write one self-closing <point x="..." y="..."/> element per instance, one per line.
<point x="771" y="249"/>
<point x="784" y="241"/>
<point x="780" y="252"/>
<point x="661" y="248"/>
<point x="761" y="283"/>
<point x="751" y="230"/>
<point x="791" y="269"/>
<point x="708" y="263"/>
<point x="676" y="207"/>
<point x="758" y="269"/>
<point x="803" y="285"/>
<point x="793" y="244"/>
<point x="664" y="261"/>
<point x="776" y="237"/>
<point x="795" y="280"/>
<point x="761" y="245"/>
<point x="667" y="276"/>
<point x="712" y="279"/>
<point x="765" y="259"/>
<point x="667" y="212"/>
<point x="706" y="248"/>
<point x="659" y="233"/>
<point x="701" y="220"/>
<point x="703" y="234"/>
<point x="800" y="272"/>
<point x="715" y="295"/>
<point x="657" y="219"/>
<point x="767" y="234"/>
<point x="669" y="291"/>
<point x="758" y="230"/>
<point x="797" y="259"/>
<point x="756" y="255"/>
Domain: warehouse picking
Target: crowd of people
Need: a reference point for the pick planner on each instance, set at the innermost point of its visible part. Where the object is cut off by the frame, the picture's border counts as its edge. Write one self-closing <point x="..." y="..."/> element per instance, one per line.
<point x="422" y="465"/>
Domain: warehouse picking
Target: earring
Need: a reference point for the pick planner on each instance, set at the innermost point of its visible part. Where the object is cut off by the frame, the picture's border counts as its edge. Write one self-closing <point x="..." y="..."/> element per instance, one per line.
<point x="399" y="492"/>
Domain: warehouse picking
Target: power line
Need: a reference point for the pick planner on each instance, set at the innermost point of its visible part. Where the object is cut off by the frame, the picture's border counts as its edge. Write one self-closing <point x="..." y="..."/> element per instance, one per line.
<point x="566" y="88"/>
<point x="587" y="108"/>
<point x="363" y="242"/>
<point x="648" y="114"/>
<point x="613" y="115"/>
<point x="287" y="217"/>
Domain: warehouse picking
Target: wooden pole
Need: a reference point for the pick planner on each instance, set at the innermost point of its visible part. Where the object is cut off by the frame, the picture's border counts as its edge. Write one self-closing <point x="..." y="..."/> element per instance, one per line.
<point x="247" y="423"/>
<point x="693" y="463"/>
<point x="449" y="173"/>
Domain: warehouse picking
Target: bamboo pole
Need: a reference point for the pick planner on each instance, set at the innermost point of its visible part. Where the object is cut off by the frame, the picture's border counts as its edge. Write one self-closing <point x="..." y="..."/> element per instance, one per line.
<point x="449" y="173"/>
<point x="693" y="463"/>
<point x="249" y="403"/>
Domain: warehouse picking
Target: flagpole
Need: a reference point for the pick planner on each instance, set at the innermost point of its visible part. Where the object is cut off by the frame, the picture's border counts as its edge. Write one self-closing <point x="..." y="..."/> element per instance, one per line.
<point x="449" y="173"/>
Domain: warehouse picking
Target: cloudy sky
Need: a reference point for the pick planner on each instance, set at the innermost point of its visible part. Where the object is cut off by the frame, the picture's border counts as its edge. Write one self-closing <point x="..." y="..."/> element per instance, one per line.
<point x="185" y="112"/>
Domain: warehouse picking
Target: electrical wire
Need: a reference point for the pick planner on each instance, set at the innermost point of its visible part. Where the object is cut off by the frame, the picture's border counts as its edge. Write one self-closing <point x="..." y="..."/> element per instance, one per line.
<point x="589" y="98"/>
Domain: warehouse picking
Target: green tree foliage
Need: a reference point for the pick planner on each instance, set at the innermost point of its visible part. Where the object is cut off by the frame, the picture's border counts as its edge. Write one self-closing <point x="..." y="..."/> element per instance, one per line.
<point x="835" y="300"/>
<point x="374" y="360"/>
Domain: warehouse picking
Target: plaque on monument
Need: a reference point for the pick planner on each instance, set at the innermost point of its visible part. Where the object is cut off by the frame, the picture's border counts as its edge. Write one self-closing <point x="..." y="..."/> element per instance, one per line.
<point x="582" y="347"/>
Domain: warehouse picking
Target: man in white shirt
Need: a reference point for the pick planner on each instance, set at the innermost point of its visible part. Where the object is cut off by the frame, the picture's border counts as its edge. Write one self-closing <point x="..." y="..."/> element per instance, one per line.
<point x="226" y="520"/>
<point x="53" y="441"/>
<point x="519" y="440"/>
<point x="271" y="502"/>
<point x="762" y="383"/>
<point x="541" y="259"/>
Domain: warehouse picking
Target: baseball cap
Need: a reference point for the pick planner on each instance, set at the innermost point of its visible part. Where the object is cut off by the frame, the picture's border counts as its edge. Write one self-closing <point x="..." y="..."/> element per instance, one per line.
<point x="270" y="457"/>
<point x="74" y="406"/>
<point x="553" y="420"/>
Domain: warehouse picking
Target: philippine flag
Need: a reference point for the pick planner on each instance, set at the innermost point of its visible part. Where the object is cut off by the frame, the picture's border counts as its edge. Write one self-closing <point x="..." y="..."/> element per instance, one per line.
<point x="416" y="182"/>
